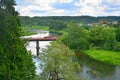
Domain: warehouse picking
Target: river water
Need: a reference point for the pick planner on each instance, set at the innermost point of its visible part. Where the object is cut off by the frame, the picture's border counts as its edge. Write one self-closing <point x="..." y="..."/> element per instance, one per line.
<point x="96" y="70"/>
<point x="31" y="46"/>
<point x="91" y="69"/>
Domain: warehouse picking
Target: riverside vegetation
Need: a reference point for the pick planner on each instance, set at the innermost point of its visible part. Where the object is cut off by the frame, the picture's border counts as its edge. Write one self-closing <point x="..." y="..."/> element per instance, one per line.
<point x="58" y="62"/>
<point x="110" y="57"/>
<point x="29" y="30"/>
<point x="100" y="41"/>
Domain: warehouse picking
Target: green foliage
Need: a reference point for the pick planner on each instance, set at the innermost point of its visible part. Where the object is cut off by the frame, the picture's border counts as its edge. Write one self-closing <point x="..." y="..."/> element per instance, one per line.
<point x="109" y="57"/>
<point x="15" y="62"/>
<point x="76" y="38"/>
<point x="117" y="47"/>
<point x="40" y="27"/>
<point x="118" y="34"/>
<point x="45" y="21"/>
<point x="117" y="25"/>
<point x="57" y="25"/>
<point x="57" y="62"/>
<point x="102" y="37"/>
<point x="29" y="30"/>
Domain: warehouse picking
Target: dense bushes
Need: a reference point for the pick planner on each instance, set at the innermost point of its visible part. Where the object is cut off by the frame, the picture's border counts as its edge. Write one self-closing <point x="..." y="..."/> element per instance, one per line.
<point x="97" y="37"/>
<point x="102" y="37"/>
<point x="76" y="38"/>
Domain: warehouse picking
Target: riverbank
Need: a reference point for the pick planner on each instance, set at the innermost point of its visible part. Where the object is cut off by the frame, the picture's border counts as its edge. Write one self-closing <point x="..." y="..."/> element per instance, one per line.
<point x="90" y="68"/>
<point x="109" y="57"/>
<point x="30" y="30"/>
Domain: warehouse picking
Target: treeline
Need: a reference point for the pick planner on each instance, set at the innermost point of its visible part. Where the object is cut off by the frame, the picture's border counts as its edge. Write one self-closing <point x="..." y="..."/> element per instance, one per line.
<point x="45" y="21"/>
<point x="99" y="36"/>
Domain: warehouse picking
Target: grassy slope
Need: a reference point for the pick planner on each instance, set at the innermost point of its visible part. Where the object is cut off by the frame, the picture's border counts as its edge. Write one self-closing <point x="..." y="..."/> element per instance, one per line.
<point x="41" y="27"/>
<point x="29" y="30"/>
<point x="105" y="56"/>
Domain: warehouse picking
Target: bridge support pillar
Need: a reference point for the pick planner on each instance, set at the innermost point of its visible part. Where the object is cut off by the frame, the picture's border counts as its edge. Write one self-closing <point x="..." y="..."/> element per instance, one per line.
<point x="37" y="48"/>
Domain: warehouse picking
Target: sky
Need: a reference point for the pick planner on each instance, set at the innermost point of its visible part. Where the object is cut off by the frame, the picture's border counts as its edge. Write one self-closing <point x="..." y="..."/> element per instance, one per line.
<point x="68" y="7"/>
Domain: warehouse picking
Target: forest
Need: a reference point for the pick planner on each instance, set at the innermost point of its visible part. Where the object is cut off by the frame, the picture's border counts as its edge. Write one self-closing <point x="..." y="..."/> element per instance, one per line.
<point x="45" y="21"/>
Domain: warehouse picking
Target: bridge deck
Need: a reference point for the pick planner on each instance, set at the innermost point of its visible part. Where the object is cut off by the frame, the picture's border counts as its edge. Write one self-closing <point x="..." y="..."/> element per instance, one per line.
<point x="41" y="39"/>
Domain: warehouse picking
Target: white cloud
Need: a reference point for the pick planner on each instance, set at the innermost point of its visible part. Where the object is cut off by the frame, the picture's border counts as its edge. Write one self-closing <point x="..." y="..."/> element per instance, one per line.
<point x="96" y="7"/>
<point x="88" y="7"/>
<point x="83" y="7"/>
<point x="41" y="5"/>
<point x="116" y="2"/>
<point x="88" y="3"/>
<point x="116" y="13"/>
<point x="38" y="5"/>
<point x="65" y="1"/>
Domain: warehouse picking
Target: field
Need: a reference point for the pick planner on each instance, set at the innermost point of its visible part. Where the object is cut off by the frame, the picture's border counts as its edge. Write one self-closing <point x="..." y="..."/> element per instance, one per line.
<point x="109" y="57"/>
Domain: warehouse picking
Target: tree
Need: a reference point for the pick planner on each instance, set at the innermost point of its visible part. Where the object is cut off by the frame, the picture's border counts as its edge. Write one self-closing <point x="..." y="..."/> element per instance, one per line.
<point x="118" y="34"/>
<point x="15" y="62"/>
<point x="46" y="21"/>
<point x="57" y="25"/>
<point x="76" y="38"/>
<point x="118" y="31"/>
<point x="103" y="37"/>
<point x="57" y="63"/>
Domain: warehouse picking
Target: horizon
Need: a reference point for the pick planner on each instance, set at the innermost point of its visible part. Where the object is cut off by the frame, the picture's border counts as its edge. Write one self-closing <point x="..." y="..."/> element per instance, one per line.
<point x="71" y="16"/>
<point x="93" y="8"/>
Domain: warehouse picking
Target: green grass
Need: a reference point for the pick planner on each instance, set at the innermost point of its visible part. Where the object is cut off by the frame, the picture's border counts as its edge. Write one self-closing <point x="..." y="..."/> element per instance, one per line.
<point x="41" y="27"/>
<point x="118" y="43"/>
<point x="29" y="30"/>
<point x="28" y="33"/>
<point x="109" y="57"/>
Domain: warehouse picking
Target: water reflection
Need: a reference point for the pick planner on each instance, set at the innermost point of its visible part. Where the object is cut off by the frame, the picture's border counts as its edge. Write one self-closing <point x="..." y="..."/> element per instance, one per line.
<point x="31" y="46"/>
<point x="91" y="69"/>
<point x="96" y="70"/>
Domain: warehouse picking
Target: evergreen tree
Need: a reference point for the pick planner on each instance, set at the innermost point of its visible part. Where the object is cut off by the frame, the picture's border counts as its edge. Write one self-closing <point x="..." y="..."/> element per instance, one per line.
<point x="15" y="62"/>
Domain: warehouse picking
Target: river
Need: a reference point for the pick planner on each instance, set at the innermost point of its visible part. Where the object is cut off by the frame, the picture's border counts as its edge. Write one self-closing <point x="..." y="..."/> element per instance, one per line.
<point x="96" y="70"/>
<point x="91" y="69"/>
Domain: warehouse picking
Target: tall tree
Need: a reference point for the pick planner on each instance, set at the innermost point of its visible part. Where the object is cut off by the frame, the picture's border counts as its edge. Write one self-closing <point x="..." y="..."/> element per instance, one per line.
<point x="103" y="37"/>
<point x="76" y="38"/>
<point x="57" y="63"/>
<point x="15" y="62"/>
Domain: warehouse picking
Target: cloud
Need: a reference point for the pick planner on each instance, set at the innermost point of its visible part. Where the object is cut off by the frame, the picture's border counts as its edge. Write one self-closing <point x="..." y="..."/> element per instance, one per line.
<point x="98" y="7"/>
<point x="65" y="1"/>
<point x="68" y="7"/>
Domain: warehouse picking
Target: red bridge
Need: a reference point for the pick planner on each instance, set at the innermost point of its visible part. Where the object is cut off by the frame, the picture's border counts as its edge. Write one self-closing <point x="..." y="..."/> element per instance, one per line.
<point x="39" y="39"/>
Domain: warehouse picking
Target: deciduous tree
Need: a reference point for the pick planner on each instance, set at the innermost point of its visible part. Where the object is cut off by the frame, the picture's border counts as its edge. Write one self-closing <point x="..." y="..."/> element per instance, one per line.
<point x="58" y="63"/>
<point x="76" y="38"/>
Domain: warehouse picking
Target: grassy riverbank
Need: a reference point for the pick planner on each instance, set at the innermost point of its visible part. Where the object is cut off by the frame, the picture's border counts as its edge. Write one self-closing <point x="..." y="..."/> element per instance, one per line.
<point x="46" y="28"/>
<point x="109" y="57"/>
<point x="29" y="30"/>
